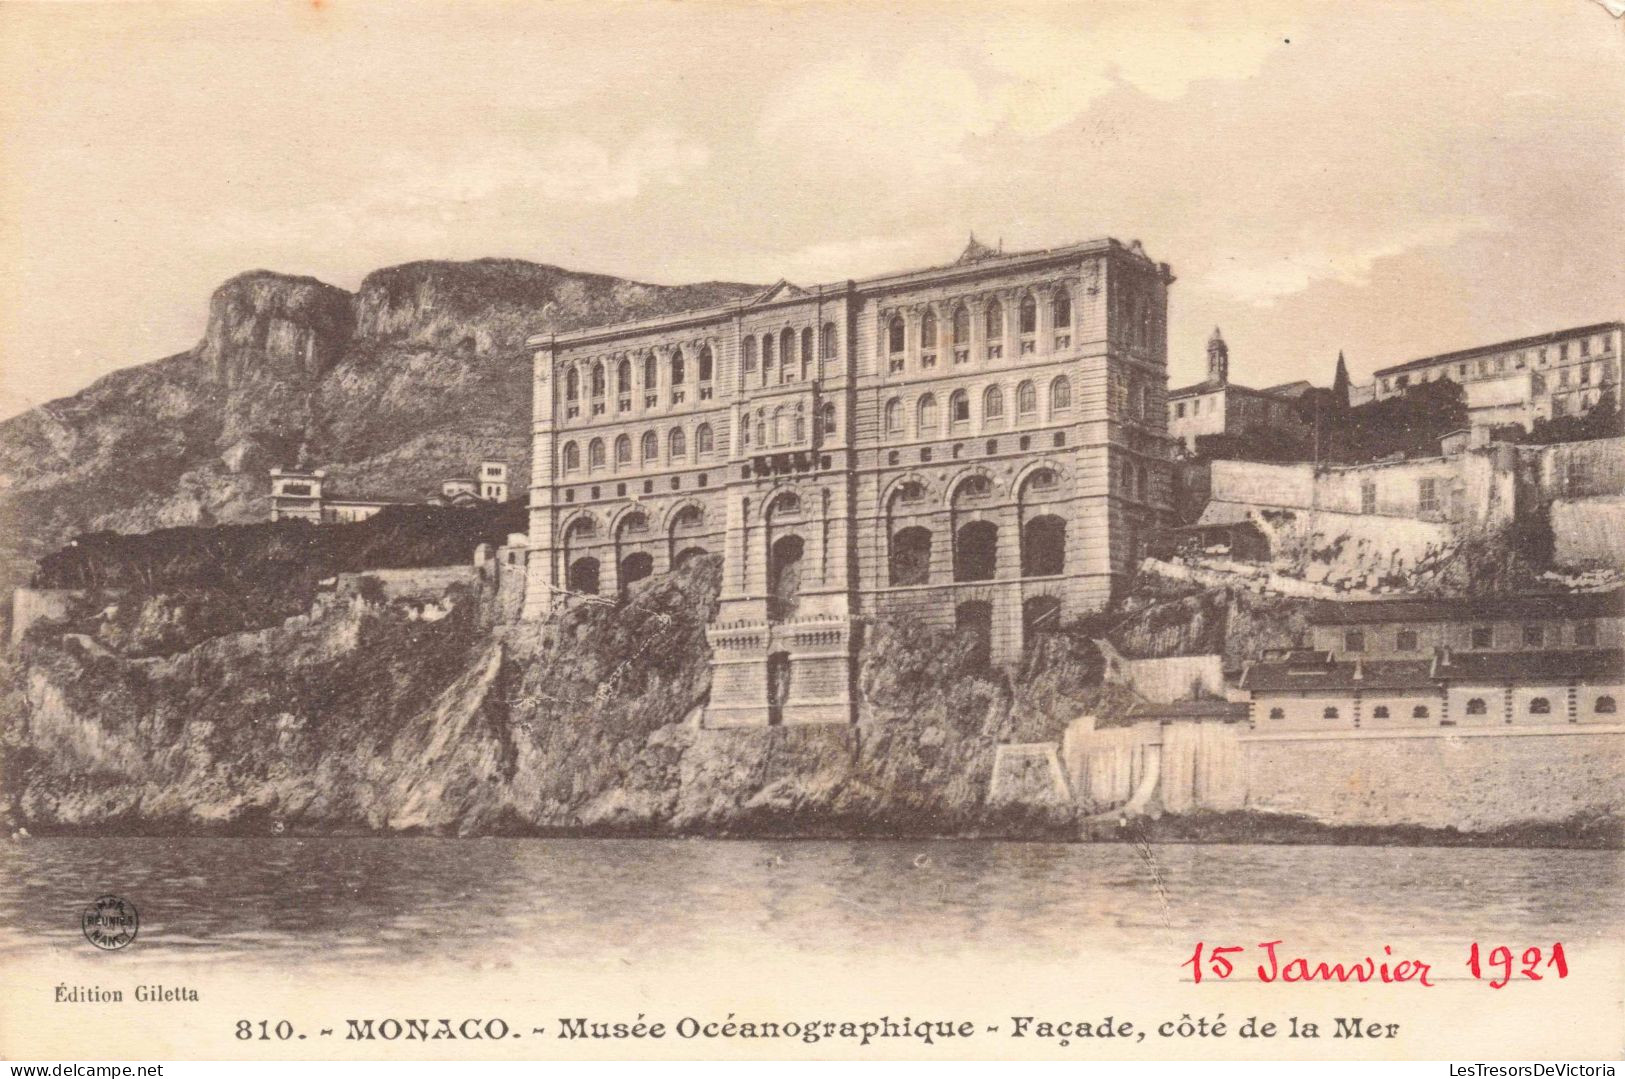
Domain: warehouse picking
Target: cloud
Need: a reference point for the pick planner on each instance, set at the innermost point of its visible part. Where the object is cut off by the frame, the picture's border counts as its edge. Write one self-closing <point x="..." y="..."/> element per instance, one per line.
<point x="912" y="111"/>
<point x="570" y="169"/>
<point x="1261" y="278"/>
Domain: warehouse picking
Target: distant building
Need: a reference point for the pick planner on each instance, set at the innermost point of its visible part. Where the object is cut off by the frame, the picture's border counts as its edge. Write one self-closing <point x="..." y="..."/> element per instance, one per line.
<point x="304" y="495"/>
<point x="1473" y="661"/>
<point x="1408" y="628"/>
<point x="1549" y="376"/>
<point x="1217" y="406"/>
<point x="1315" y="691"/>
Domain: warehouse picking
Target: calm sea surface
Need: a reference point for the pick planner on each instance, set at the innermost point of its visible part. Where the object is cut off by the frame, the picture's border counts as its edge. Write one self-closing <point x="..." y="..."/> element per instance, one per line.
<point x="498" y="901"/>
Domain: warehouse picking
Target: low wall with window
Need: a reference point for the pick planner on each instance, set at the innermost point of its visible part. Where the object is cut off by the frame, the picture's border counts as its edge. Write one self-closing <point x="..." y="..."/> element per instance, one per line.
<point x="1473" y="779"/>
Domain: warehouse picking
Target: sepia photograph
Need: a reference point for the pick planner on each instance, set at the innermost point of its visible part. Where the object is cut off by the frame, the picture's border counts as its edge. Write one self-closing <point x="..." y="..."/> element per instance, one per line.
<point x="754" y="530"/>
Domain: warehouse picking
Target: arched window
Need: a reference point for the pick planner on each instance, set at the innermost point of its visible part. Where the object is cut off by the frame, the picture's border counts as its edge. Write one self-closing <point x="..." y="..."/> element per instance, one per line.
<point x="651" y="446"/>
<point x="676" y="445"/>
<point x="761" y="429"/>
<point x="1026" y="399"/>
<point x="993" y="404"/>
<point x="798" y="426"/>
<point x="678" y="368"/>
<point x="806" y="350"/>
<point x="826" y="419"/>
<point x="1060" y="394"/>
<point x="744" y="433"/>
<point x="927" y="415"/>
<point x="1605" y="706"/>
<point x="572" y="457"/>
<point x="1380" y="712"/>
<point x="749" y="360"/>
<point x="895" y="335"/>
<point x="598" y="380"/>
<point x="959" y="407"/>
<point x="928" y="329"/>
<point x="910" y="561"/>
<point x="1140" y="484"/>
<point x="995" y="321"/>
<point x="651" y="371"/>
<point x="1061" y="309"/>
<point x="894" y="416"/>
<point x="1476" y="707"/>
<point x="961" y="325"/>
<point x="778" y="426"/>
<point x="1419" y="712"/>
<point x="707" y="364"/>
<point x="1277" y="713"/>
<point x="623" y="451"/>
<point x="1330" y="712"/>
<point x="787" y="354"/>
<point x="572" y="385"/>
<point x="767" y="356"/>
<point x="595" y="454"/>
<point x="1540" y="706"/>
<point x="1029" y="314"/>
<point x="623" y="377"/>
<point x="702" y="439"/>
<point x="826" y="341"/>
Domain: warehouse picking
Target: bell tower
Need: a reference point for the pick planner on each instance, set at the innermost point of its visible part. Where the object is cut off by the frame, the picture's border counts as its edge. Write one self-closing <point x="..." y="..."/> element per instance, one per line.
<point x="1218" y="359"/>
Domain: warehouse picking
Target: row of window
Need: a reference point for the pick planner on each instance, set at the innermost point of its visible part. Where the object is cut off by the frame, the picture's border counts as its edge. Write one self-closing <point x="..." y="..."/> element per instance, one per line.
<point x="1533" y="636"/>
<point x="649" y="446"/>
<point x="1604" y="705"/>
<point x="780" y="357"/>
<point x="975" y="551"/>
<point x="784" y="426"/>
<point x="1496" y="365"/>
<point x="927" y="422"/>
<point x="597" y="382"/>
<point x="993" y="324"/>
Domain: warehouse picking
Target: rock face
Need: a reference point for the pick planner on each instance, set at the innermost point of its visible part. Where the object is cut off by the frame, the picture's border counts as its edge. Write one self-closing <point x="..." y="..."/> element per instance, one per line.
<point x="360" y="717"/>
<point x="417" y="376"/>
<point x="261" y="323"/>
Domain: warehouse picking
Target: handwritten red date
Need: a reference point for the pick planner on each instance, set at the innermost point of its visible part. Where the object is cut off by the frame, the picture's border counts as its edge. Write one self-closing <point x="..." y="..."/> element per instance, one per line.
<point x="1500" y="967"/>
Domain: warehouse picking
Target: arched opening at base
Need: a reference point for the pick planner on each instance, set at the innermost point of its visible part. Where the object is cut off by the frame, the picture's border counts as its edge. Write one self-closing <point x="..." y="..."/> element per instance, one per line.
<point x="1040" y="614"/>
<point x="974" y="619"/>
<point x="583" y="576"/>
<point x="784" y="578"/>
<point x="634" y="568"/>
<point x="778" y="686"/>
<point x="687" y="555"/>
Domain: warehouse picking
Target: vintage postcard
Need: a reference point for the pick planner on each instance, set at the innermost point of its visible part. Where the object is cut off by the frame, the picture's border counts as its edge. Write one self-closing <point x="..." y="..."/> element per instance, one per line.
<point x="746" y="530"/>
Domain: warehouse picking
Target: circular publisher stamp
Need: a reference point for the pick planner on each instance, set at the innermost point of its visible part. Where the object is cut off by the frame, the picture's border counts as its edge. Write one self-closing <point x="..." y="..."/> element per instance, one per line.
<point x="110" y="923"/>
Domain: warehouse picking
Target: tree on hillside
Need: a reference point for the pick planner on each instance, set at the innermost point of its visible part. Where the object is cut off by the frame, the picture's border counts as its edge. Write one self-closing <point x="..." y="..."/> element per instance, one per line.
<point x="1340" y="385"/>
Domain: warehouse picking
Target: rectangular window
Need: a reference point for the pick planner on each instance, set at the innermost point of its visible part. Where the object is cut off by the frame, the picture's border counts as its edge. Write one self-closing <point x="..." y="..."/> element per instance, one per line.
<point x="1585" y="634"/>
<point x="1179" y="410"/>
<point x="1585" y="346"/>
<point x="1483" y="637"/>
<point x="1534" y="636"/>
<point x="1427" y="496"/>
<point x="1354" y="641"/>
<point x="1579" y="475"/>
<point x="995" y="352"/>
<point x="1368" y="497"/>
<point x="1405" y="641"/>
<point x="1585" y="374"/>
<point x="1563" y="351"/>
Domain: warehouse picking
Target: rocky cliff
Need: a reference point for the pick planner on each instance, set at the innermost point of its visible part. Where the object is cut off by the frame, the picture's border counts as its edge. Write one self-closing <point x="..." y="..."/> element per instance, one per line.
<point x="369" y="715"/>
<point x="418" y="374"/>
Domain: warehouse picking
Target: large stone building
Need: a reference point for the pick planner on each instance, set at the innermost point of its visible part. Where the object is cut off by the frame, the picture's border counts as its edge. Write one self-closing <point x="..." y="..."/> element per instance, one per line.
<point x="1548" y="376"/>
<point x="981" y="444"/>
<point x="1217" y="406"/>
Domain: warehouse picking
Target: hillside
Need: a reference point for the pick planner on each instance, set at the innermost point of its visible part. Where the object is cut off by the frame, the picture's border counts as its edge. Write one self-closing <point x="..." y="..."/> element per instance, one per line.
<point x="418" y="374"/>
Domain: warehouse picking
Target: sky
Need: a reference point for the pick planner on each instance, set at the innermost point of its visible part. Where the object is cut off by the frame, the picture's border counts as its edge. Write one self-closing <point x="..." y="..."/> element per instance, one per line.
<point x="1388" y="180"/>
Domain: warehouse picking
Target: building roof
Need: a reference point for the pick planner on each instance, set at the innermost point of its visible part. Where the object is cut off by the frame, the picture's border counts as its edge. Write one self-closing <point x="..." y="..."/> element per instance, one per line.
<point x="1501" y="346"/>
<point x="1190" y="710"/>
<point x="1530" y="666"/>
<point x="1210" y="385"/>
<point x="1313" y="672"/>
<point x="983" y="263"/>
<point x="1535" y="605"/>
<point x="1292" y="390"/>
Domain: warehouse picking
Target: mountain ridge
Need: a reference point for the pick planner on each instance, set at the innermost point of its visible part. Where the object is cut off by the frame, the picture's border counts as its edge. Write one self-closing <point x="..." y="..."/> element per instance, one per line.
<point x="417" y="374"/>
